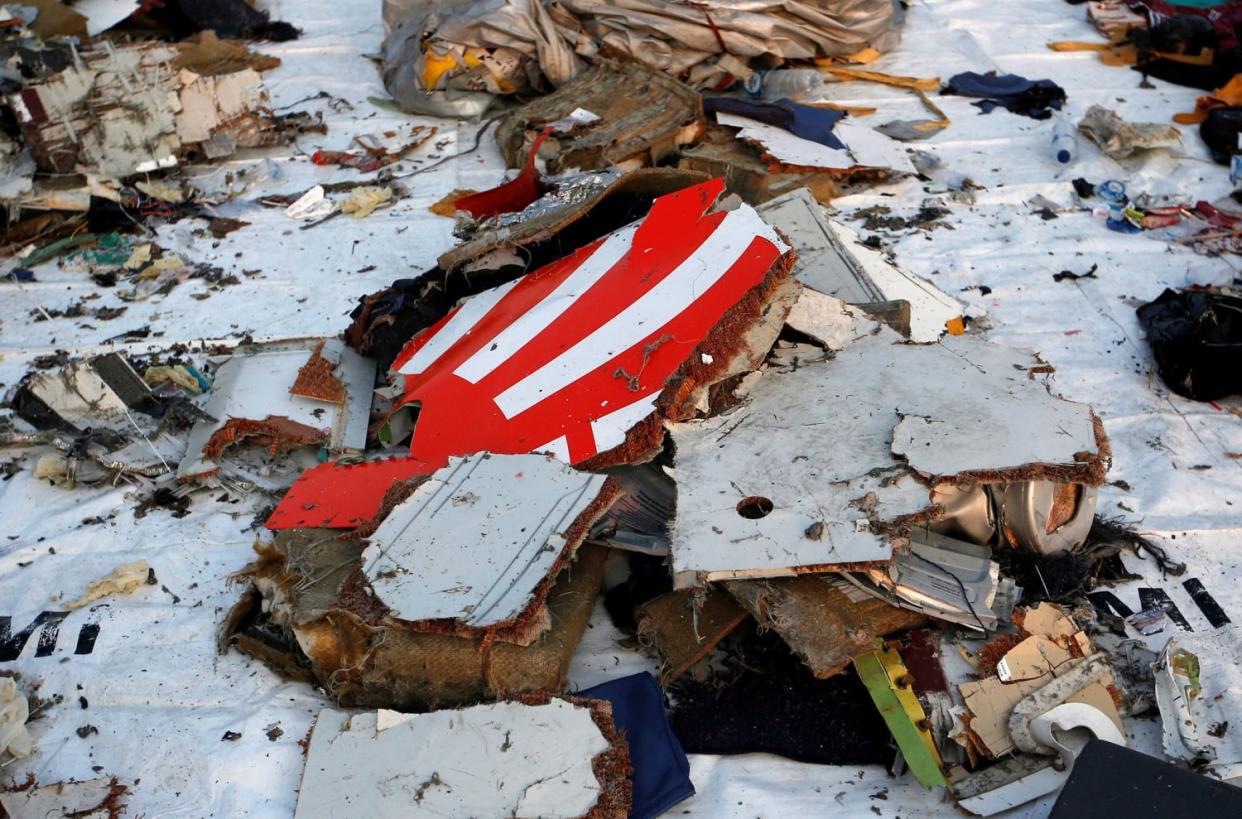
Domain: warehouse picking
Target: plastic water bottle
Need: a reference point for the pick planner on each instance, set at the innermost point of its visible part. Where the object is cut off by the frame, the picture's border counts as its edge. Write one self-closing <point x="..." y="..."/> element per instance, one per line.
<point x="785" y="82"/>
<point x="1064" y="142"/>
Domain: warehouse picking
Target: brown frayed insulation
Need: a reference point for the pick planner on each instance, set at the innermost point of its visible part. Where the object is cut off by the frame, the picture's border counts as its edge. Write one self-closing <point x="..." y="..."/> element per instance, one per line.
<point x="276" y="433"/>
<point x="363" y="660"/>
<point x="820" y="621"/>
<point x="645" y="116"/>
<point x="317" y="379"/>
<point x="684" y="627"/>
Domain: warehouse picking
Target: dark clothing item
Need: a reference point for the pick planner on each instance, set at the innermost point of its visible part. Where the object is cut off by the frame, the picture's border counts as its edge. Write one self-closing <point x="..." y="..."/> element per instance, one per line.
<point x="1196" y="338"/>
<point x="1220" y="132"/>
<point x="803" y="121"/>
<point x="773" y="703"/>
<point x="661" y="775"/>
<point x="1036" y="99"/>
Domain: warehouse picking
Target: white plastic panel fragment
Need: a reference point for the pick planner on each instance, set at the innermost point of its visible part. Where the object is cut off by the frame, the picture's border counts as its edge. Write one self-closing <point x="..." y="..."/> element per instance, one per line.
<point x="815" y="445"/>
<point x="1199" y="693"/>
<point x="504" y="759"/>
<point x="865" y="148"/>
<point x="254" y="384"/>
<point x="832" y="260"/>
<point x="474" y="541"/>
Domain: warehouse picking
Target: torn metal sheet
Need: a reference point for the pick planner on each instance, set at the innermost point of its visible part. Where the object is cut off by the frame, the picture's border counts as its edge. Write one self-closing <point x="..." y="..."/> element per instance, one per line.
<point x="943" y="578"/>
<point x="1199" y="692"/>
<point x="640" y="117"/>
<point x="1120" y="139"/>
<point x="479" y="539"/>
<point x="822" y="622"/>
<point x="92" y="393"/>
<point x="340" y="495"/>
<point x="864" y="147"/>
<point x="121" y="111"/>
<point x="251" y="397"/>
<point x="585" y="355"/>
<point x="754" y="504"/>
<point x="503" y="759"/>
<point x="832" y="260"/>
<point x="639" y="519"/>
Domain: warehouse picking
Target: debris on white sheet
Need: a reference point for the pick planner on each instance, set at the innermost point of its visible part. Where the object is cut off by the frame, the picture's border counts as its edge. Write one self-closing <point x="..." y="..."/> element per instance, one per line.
<point x="15" y="740"/>
<point x="313" y="204"/>
<point x="1199" y="692"/>
<point x="832" y="260"/>
<point x="122" y="580"/>
<point x="865" y="148"/>
<point x="365" y="200"/>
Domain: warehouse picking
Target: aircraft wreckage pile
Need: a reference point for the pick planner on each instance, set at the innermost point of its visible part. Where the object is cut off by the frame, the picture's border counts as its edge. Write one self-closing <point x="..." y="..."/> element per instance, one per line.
<point x="850" y="529"/>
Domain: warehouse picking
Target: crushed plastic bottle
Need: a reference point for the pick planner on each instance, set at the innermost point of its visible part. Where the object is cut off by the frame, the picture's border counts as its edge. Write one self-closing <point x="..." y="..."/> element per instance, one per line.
<point x="1064" y="141"/>
<point x="1113" y="192"/>
<point x="785" y="82"/>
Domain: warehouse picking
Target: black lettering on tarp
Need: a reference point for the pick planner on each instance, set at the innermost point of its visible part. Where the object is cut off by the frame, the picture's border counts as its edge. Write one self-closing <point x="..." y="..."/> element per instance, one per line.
<point x="1206" y="602"/>
<point x="86" y="638"/>
<point x="1152" y="598"/>
<point x="1106" y="601"/>
<point x="48" y="623"/>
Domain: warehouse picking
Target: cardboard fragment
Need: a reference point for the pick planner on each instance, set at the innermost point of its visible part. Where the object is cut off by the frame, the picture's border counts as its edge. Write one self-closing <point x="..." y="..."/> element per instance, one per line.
<point x="819" y="621"/>
<point x="684" y="628"/>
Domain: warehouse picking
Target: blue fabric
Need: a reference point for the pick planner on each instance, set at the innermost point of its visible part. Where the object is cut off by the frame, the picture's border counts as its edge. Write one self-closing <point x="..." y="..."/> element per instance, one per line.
<point x="661" y="775"/>
<point x="1032" y="98"/>
<point x="802" y="121"/>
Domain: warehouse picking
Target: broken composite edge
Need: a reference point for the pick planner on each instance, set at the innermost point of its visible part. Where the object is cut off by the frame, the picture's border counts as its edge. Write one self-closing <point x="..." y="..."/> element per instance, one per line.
<point x="478" y="544"/>
<point x="822" y="466"/>
<point x="536" y="756"/>
<point x="585" y="357"/>
<point x="865" y="148"/>
<point x="833" y="261"/>
<point x="253" y="397"/>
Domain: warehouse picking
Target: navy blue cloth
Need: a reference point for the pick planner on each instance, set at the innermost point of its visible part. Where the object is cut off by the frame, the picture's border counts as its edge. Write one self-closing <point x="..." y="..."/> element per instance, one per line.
<point x="1032" y="98"/>
<point x="661" y="775"/>
<point x="803" y="121"/>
